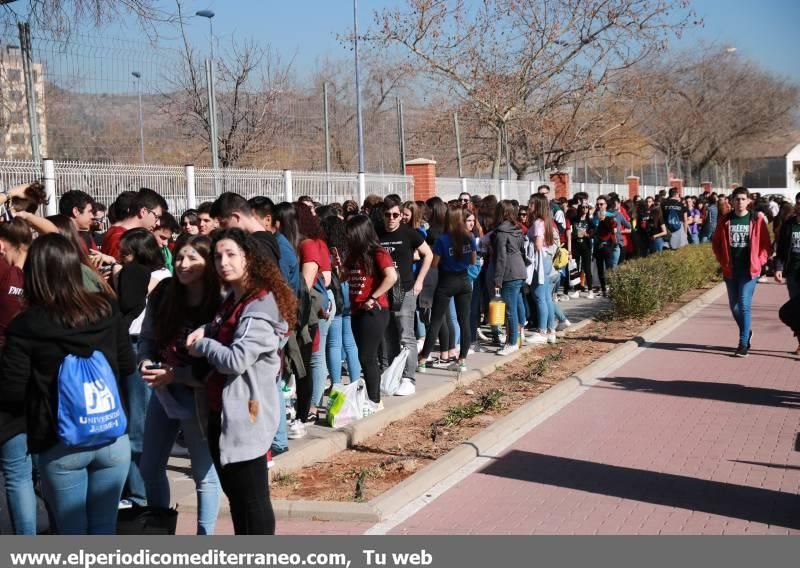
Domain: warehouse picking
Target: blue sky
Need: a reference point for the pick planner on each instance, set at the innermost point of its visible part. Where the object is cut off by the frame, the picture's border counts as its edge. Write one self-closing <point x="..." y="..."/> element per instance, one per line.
<point x="764" y="30"/>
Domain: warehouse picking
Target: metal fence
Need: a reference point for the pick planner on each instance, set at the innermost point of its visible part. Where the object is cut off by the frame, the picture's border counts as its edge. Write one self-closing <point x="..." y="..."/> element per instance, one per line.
<point x="185" y="187"/>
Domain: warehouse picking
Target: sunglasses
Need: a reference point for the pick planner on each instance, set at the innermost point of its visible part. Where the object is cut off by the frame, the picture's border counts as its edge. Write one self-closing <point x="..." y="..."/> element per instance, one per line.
<point x="464" y="200"/>
<point x="392" y="215"/>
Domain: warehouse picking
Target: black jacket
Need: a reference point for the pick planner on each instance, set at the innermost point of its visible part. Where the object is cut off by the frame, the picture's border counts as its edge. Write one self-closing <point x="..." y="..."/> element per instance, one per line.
<point x="783" y="244"/>
<point x="36" y="345"/>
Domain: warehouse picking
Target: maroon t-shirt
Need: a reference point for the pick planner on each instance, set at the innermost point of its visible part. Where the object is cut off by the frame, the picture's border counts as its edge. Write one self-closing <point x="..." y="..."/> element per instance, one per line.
<point x="11" y="280"/>
<point x="111" y="241"/>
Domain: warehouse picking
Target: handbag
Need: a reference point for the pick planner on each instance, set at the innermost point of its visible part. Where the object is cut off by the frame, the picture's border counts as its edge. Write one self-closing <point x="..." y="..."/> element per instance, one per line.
<point x="560" y="258"/>
<point x="574" y="273"/>
<point x="147" y="520"/>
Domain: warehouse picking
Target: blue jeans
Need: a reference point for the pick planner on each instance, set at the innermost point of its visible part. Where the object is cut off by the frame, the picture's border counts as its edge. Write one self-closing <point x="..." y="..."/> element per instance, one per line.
<point x="138" y="398"/>
<point x="740" y="298"/>
<point x="657" y="244"/>
<point x="159" y="436"/>
<point x="475" y="310"/>
<point x="511" y="296"/>
<point x="319" y="367"/>
<point x="557" y="311"/>
<point x="453" y="322"/>
<point x="280" y="443"/>
<point x="17" y="468"/>
<point x="694" y="238"/>
<point x="342" y="343"/>
<point x="542" y="296"/>
<point x="82" y="487"/>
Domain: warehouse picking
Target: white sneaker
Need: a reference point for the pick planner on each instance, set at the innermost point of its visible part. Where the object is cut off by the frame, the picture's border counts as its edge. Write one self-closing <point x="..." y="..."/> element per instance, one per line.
<point x="406" y="388"/>
<point x="420" y="344"/>
<point x="574" y="294"/>
<point x="482" y="336"/>
<point x="562" y="325"/>
<point x="564" y="297"/>
<point x="508" y="350"/>
<point x="763" y="279"/>
<point x="551" y="337"/>
<point x="296" y="430"/>
<point x="537" y="338"/>
<point x="590" y="295"/>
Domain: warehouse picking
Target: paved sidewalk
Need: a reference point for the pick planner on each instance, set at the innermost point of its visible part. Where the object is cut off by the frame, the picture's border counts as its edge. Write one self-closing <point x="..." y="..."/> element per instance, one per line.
<point x="683" y="438"/>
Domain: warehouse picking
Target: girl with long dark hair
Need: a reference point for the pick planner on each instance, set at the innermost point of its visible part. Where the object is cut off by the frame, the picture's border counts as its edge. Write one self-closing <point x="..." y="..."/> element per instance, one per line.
<point x="340" y="342"/>
<point x="541" y="235"/>
<point x="371" y="274"/>
<point x="453" y="253"/>
<point x="177" y="307"/>
<point x="82" y="485"/>
<point x="242" y="345"/>
<point x="581" y="246"/>
<point x="315" y="267"/>
<point x="142" y="268"/>
<point x="509" y="272"/>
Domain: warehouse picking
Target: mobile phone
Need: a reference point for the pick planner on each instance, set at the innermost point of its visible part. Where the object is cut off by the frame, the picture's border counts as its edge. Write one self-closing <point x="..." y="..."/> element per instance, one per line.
<point x="337" y="260"/>
<point x="153" y="366"/>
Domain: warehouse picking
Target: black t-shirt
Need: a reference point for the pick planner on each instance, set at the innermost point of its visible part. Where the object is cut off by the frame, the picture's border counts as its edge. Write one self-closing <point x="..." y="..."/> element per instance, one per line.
<point x="580" y="229"/>
<point x="401" y="244"/>
<point x="269" y="245"/>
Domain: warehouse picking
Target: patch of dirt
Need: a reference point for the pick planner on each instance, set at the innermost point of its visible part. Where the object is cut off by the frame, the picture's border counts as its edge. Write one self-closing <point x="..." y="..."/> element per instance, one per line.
<point x="411" y="443"/>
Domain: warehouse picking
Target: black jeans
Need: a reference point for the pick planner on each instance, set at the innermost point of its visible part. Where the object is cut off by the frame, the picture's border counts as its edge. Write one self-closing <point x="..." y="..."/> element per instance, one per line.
<point x="246" y="484"/>
<point x="582" y="252"/>
<point x="369" y="327"/>
<point x="451" y="285"/>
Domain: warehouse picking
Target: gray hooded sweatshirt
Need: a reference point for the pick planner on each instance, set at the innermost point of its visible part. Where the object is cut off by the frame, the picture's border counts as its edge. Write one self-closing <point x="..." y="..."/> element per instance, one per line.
<point x="509" y="254"/>
<point x="250" y="404"/>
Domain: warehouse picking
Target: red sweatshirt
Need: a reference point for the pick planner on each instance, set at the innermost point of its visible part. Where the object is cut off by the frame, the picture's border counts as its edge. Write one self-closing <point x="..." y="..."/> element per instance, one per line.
<point x="759" y="244"/>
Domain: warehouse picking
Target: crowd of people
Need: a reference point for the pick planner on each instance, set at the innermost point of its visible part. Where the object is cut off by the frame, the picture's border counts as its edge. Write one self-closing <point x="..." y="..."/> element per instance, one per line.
<point x="224" y="328"/>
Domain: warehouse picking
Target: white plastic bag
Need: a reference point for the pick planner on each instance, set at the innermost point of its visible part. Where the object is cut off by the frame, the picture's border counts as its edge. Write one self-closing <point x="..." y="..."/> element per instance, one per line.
<point x="346" y="403"/>
<point x="390" y="378"/>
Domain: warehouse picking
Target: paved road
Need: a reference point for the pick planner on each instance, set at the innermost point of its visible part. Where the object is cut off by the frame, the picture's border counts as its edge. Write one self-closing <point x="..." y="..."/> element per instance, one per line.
<point x="683" y="438"/>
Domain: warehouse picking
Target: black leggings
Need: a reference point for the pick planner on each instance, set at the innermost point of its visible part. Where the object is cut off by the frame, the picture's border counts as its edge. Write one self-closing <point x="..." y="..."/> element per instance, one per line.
<point x="369" y="327"/>
<point x="582" y="252"/>
<point x="451" y="285"/>
<point x="246" y="484"/>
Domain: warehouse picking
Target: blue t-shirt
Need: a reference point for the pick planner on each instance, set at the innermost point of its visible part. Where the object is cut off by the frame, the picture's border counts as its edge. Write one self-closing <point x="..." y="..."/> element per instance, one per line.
<point x="288" y="263"/>
<point x="443" y="248"/>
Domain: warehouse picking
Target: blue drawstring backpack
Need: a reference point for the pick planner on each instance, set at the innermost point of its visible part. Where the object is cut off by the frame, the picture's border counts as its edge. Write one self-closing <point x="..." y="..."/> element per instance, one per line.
<point x="89" y="407"/>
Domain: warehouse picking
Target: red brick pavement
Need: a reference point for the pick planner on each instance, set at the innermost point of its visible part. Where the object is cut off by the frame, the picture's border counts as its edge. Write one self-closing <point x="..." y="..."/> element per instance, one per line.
<point x="684" y="438"/>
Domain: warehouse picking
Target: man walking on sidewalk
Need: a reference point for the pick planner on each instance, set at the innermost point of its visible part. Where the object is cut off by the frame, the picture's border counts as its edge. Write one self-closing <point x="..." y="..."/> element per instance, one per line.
<point x="741" y="245"/>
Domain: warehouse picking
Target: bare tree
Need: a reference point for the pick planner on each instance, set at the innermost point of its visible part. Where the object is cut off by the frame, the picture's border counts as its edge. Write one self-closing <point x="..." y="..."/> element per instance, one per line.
<point x="250" y="79"/>
<point x="705" y="105"/>
<point x="506" y="59"/>
<point x="61" y="17"/>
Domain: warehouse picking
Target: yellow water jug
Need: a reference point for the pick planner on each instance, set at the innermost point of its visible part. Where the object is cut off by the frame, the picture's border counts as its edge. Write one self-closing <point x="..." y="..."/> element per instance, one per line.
<point x="497" y="312"/>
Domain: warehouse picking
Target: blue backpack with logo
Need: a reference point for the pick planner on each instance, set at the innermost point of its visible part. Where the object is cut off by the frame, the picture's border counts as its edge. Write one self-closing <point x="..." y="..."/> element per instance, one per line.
<point x="90" y="411"/>
<point x="674" y="220"/>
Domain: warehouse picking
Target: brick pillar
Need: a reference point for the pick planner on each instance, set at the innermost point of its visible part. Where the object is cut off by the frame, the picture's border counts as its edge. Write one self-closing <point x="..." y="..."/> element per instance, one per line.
<point x="424" y="173"/>
<point x="560" y="181"/>
<point x="707" y="186"/>
<point x="678" y="184"/>
<point x="633" y="186"/>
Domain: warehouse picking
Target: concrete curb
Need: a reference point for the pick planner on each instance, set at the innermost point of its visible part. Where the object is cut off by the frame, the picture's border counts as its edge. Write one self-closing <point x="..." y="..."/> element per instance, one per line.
<point x="415" y="486"/>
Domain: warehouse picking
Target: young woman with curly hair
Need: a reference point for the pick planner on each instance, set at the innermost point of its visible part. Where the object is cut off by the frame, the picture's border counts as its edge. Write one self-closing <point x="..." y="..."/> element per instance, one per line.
<point x="242" y="345"/>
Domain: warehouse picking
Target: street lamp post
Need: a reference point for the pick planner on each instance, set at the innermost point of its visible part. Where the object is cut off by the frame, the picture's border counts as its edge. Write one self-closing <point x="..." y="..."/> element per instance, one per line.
<point x="138" y="77"/>
<point x="212" y="98"/>
<point x="361" y="178"/>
